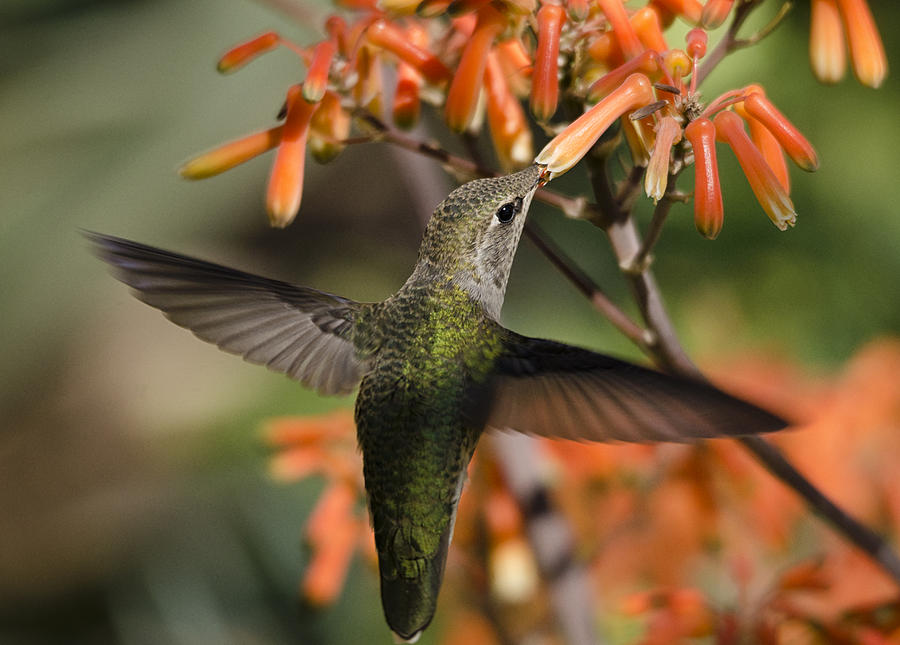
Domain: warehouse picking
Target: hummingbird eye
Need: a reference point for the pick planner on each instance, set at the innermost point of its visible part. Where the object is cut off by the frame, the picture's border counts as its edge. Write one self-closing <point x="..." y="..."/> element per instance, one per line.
<point x="509" y="210"/>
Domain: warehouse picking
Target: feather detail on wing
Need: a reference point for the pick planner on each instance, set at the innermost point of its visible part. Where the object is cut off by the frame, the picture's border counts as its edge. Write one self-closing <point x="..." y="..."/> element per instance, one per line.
<point x="298" y="331"/>
<point x="556" y="390"/>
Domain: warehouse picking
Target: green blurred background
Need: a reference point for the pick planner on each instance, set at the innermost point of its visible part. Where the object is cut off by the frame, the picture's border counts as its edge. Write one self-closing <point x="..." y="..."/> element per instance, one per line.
<point x="134" y="502"/>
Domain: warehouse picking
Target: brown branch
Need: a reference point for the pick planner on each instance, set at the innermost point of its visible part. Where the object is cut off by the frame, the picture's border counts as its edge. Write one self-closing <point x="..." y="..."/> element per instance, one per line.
<point x="590" y="289"/>
<point x="669" y="355"/>
<point x="551" y="538"/>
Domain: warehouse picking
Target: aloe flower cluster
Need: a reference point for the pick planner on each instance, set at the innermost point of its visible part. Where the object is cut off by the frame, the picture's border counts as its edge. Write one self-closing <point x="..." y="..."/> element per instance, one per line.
<point x="578" y="68"/>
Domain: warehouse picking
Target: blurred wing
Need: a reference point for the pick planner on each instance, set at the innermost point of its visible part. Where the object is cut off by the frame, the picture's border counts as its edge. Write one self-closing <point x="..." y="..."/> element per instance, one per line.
<point x="298" y="331"/>
<point x="556" y="390"/>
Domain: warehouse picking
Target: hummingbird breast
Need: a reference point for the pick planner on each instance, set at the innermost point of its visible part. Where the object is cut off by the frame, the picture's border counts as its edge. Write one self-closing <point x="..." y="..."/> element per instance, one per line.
<point x="417" y="424"/>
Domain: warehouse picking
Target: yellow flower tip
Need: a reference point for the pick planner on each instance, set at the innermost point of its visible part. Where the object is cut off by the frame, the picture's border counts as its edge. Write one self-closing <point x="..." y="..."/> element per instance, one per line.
<point x="544" y="81"/>
<point x="240" y="55"/>
<point x="866" y="49"/>
<point x="826" y="42"/>
<point x="768" y="190"/>
<point x="329" y="126"/>
<point x="668" y="133"/>
<point x="230" y="154"/>
<point x="708" y="208"/>
<point x="715" y="13"/>
<point x="569" y="146"/>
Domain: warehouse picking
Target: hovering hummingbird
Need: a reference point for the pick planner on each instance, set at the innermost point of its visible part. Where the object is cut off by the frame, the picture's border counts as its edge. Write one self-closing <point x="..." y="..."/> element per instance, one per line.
<point x="434" y="368"/>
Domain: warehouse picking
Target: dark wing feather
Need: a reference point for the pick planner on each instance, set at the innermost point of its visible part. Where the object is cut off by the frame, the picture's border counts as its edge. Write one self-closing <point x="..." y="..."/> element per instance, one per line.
<point x="556" y="390"/>
<point x="298" y="331"/>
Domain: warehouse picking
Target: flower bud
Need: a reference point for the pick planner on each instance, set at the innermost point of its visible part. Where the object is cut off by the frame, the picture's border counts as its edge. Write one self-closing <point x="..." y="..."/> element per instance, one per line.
<point x="240" y="55"/>
<point x="708" y="209"/>
<point x="286" y="179"/>
<point x="544" y="81"/>
<point x="317" y="76"/>
<point x="462" y="97"/>
<point x="229" y="155"/>
<point x="393" y="39"/>
<point x="866" y="49"/>
<point x="826" y="41"/>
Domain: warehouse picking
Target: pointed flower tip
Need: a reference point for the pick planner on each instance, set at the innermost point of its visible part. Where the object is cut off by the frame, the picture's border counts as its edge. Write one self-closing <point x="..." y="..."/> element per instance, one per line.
<point x="240" y="55"/>
<point x="569" y="146"/>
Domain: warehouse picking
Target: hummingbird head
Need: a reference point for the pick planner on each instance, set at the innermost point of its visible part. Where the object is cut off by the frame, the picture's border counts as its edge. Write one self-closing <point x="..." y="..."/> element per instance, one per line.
<point x="473" y="234"/>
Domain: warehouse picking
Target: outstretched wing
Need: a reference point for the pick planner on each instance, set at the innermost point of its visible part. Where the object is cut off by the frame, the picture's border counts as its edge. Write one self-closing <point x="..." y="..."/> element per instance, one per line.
<point x="557" y="390"/>
<point x="295" y="330"/>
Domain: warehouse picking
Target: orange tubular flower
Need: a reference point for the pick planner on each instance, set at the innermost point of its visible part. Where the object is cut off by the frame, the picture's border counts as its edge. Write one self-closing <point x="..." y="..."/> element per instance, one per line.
<point x="648" y="28"/>
<point x="329" y="126"/>
<point x="826" y="41"/>
<point x="317" y="76"/>
<point x="570" y="145"/>
<point x="544" y="81"/>
<point x="462" y="97"/>
<point x="229" y="155"/>
<point x="615" y="12"/>
<point x="690" y="10"/>
<point x="668" y="133"/>
<point x="516" y="63"/>
<point x="708" y="209"/>
<point x="715" y="12"/>
<point x="509" y="130"/>
<point x="763" y="139"/>
<point x="368" y="89"/>
<point x="393" y="39"/>
<point x="795" y="144"/>
<point x="238" y="56"/>
<point x="866" y="49"/>
<point x="646" y="63"/>
<point x="336" y="28"/>
<point x="286" y="180"/>
<point x="332" y="531"/>
<point x="768" y="190"/>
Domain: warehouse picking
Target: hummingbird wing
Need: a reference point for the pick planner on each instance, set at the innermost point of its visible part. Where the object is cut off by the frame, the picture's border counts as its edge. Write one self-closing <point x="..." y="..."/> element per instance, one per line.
<point x="556" y="390"/>
<point x="298" y="331"/>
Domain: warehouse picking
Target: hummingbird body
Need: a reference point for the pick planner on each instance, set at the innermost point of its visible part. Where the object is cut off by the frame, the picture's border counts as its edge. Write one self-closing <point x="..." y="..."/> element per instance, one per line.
<point x="434" y="368"/>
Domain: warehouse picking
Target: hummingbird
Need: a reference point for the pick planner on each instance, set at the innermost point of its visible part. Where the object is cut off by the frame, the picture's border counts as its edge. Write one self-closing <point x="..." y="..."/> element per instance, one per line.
<point x="434" y="368"/>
